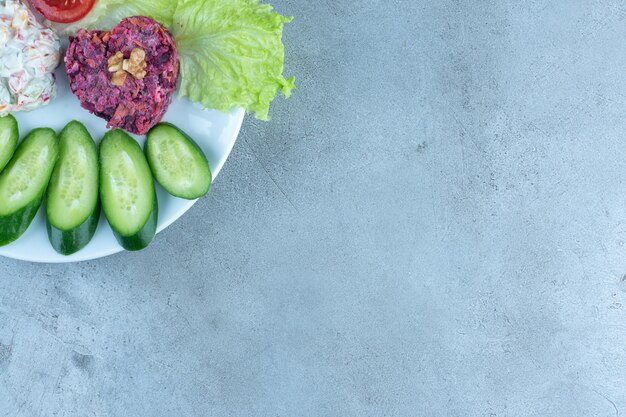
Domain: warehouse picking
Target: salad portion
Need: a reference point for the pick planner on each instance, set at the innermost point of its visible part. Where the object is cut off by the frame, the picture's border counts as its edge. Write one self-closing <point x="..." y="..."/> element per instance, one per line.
<point x="124" y="61"/>
<point x="29" y="52"/>
<point x="126" y="76"/>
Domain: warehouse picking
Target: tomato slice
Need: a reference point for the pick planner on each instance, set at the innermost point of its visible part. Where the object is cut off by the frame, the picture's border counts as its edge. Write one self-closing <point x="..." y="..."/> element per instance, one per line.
<point x="63" y="11"/>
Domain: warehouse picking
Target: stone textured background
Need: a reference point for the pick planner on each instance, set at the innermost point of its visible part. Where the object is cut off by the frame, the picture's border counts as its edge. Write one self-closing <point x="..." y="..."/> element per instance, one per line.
<point x="434" y="225"/>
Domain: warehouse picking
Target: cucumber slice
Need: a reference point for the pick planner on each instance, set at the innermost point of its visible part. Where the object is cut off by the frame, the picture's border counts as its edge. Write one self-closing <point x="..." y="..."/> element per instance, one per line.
<point x="72" y="205"/>
<point x="127" y="191"/>
<point x="177" y="162"/>
<point x="9" y="135"/>
<point x="24" y="181"/>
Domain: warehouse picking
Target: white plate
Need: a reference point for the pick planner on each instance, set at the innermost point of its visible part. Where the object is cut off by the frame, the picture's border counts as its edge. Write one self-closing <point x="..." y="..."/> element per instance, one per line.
<point x="215" y="132"/>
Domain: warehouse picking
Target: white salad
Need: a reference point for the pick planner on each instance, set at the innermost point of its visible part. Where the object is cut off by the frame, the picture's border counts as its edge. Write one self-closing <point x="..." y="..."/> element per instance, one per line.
<point x="29" y="52"/>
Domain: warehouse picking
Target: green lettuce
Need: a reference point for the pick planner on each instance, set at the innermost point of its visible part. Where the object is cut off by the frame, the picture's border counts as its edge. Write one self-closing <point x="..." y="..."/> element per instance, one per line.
<point x="108" y="13"/>
<point x="231" y="54"/>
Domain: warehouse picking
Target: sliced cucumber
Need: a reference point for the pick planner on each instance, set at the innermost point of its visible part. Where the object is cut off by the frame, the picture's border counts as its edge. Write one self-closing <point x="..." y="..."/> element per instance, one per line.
<point x="24" y="181"/>
<point x="72" y="205"/>
<point x="127" y="191"/>
<point x="9" y="135"/>
<point x="177" y="162"/>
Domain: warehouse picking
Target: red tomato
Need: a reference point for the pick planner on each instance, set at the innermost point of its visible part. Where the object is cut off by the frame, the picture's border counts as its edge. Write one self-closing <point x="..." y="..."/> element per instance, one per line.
<point x="63" y="11"/>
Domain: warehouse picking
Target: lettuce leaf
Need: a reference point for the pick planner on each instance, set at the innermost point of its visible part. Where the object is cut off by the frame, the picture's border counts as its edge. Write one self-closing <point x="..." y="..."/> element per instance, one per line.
<point x="108" y="13"/>
<point x="231" y="54"/>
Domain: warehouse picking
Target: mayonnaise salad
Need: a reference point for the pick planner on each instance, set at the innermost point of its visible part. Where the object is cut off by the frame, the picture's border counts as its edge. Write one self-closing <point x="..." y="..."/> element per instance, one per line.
<point x="29" y="52"/>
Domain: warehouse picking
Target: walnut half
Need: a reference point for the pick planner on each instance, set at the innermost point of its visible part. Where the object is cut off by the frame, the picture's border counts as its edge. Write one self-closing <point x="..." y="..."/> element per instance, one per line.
<point x="115" y="62"/>
<point x="135" y="65"/>
<point x="119" y="78"/>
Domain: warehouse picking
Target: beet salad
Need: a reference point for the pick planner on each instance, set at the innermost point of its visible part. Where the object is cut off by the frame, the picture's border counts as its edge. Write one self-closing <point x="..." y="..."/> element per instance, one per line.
<point x="126" y="76"/>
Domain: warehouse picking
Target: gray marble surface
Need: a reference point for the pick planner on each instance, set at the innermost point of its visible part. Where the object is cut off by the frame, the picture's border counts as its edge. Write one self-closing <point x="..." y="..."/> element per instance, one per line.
<point x="433" y="225"/>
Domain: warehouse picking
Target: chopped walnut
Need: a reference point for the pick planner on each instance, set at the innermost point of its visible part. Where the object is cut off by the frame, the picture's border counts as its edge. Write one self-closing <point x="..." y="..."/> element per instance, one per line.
<point x="119" y="77"/>
<point x="135" y="65"/>
<point x="115" y="62"/>
<point x="138" y="55"/>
